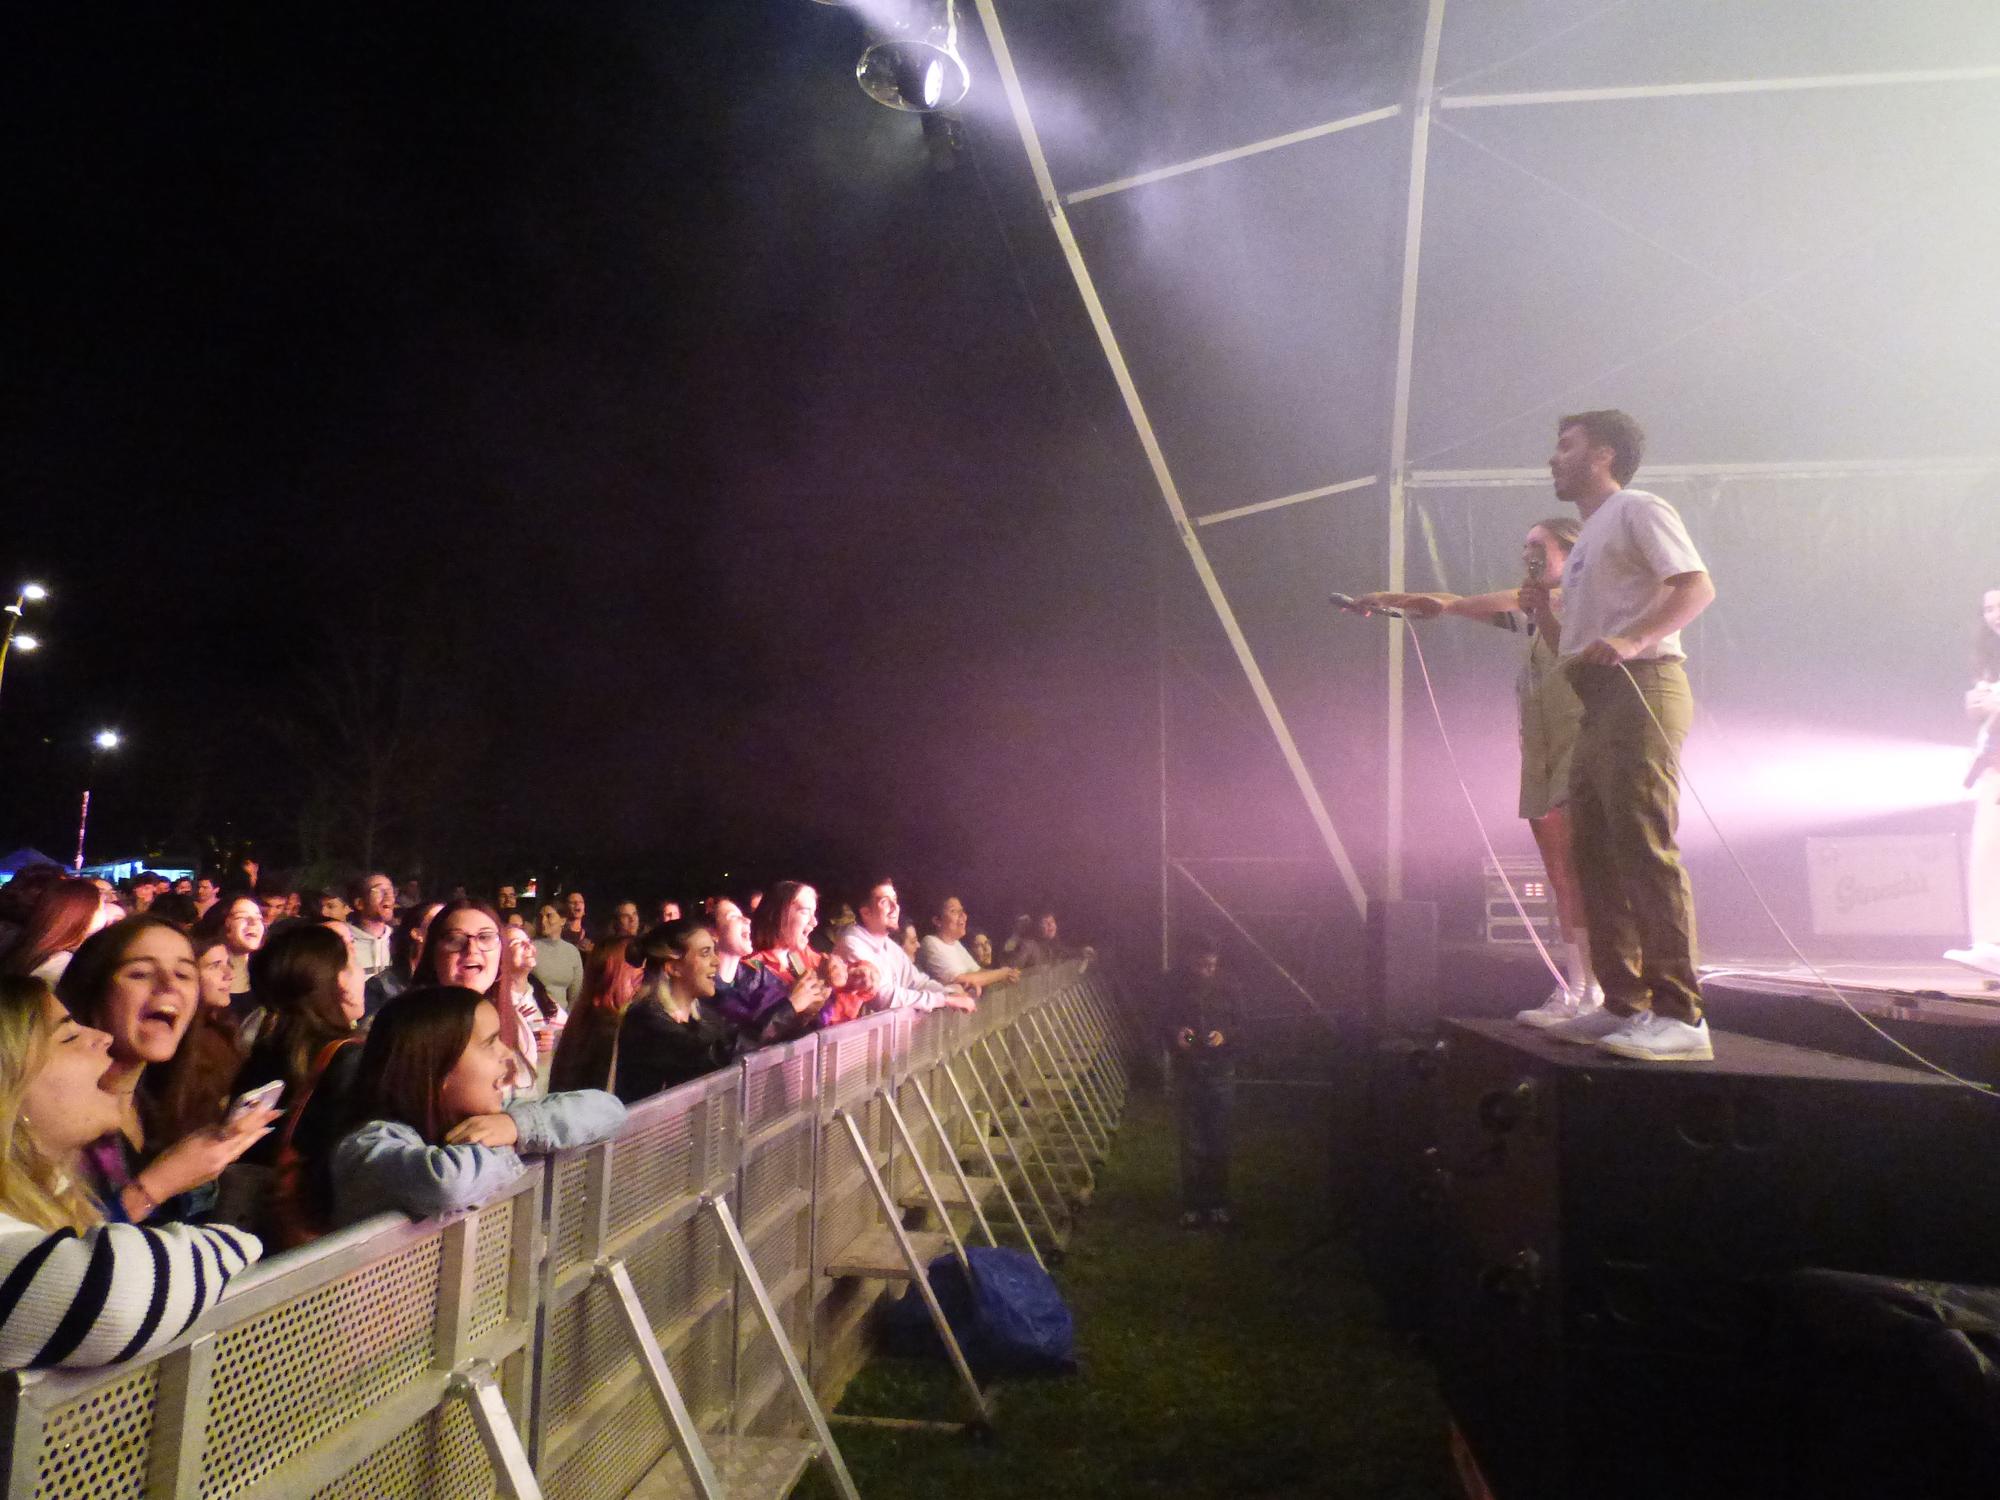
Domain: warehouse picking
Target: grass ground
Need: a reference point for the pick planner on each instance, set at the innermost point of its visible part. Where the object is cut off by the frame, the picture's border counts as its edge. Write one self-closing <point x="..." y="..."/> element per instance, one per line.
<point x="1252" y="1362"/>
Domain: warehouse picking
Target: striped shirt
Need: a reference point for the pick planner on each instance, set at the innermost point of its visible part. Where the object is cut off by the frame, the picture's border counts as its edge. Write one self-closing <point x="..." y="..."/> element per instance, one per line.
<point x="110" y="1294"/>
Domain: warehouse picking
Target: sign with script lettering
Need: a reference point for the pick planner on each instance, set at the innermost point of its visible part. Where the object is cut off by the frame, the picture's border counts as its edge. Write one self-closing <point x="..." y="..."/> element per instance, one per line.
<point x="1886" y="885"/>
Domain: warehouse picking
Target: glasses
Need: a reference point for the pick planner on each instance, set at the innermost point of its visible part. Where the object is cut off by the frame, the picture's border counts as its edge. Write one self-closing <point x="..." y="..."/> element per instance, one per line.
<point x="470" y="942"/>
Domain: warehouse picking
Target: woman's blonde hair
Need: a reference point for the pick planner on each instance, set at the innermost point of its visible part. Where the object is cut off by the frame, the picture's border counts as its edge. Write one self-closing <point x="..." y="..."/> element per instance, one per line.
<point x="33" y="1188"/>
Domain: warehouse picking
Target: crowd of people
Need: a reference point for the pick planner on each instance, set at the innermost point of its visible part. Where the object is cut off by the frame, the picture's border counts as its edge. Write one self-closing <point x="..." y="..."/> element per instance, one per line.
<point x="202" y="1069"/>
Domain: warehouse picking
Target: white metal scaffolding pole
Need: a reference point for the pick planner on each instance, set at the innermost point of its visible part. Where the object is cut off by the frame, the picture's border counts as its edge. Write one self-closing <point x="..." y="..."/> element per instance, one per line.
<point x="1169" y="492"/>
<point x="1399" y="436"/>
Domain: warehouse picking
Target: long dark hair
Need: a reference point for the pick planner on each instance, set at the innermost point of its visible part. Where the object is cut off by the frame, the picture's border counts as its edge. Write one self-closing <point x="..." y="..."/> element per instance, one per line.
<point x="768" y="920"/>
<point x="86" y="983"/>
<point x="426" y="970"/>
<point x="664" y="942"/>
<point x="296" y="975"/>
<point x="583" y="1056"/>
<point x="413" y="1044"/>
<point x="191" y="1089"/>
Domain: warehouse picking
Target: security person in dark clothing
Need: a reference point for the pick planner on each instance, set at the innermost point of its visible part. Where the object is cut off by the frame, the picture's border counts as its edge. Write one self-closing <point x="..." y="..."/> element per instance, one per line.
<point x="1201" y="1013"/>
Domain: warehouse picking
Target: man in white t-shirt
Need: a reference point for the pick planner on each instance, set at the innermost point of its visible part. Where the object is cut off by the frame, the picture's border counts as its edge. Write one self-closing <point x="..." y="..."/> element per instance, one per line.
<point x="942" y="955"/>
<point x="874" y="937"/>
<point x="1632" y="583"/>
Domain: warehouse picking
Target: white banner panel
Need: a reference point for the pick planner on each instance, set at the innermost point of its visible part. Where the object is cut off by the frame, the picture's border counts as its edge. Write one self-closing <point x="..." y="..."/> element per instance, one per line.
<point x="1886" y="885"/>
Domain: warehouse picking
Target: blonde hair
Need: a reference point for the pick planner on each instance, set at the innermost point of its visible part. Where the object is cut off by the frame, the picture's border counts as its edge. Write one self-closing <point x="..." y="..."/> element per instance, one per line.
<point x="33" y="1188"/>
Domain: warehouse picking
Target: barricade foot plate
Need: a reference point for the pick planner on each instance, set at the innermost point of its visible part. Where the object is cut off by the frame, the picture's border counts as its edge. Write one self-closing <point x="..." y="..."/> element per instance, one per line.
<point x="984" y="1191"/>
<point x="750" y="1468"/>
<point x="874" y="1254"/>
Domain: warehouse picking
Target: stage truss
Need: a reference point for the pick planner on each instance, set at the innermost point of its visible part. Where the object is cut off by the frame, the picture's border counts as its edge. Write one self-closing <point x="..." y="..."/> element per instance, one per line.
<point x="1428" y="110"/>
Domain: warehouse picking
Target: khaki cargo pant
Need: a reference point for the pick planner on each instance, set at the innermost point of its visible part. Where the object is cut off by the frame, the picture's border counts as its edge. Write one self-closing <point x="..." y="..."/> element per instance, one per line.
<point x="1624" y="804"/>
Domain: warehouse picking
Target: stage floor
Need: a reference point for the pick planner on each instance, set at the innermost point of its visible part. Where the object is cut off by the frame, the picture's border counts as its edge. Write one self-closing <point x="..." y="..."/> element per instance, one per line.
<point x="1948" y="1014"/>
<point x="1935" y="980"/>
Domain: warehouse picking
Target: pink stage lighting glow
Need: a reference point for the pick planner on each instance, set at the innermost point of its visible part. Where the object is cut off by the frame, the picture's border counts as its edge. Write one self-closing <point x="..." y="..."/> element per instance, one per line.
<point x="1767" y="782"/>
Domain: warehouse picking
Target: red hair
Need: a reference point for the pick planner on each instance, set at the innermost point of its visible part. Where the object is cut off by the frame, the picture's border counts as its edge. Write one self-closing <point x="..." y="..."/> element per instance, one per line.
<point x="583" y="1056"/>
<point x="57" y="923"/>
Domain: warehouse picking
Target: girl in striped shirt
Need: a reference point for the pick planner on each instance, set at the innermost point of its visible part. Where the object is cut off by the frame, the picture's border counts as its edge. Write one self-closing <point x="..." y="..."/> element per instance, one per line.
<point x="75" y="1290"/>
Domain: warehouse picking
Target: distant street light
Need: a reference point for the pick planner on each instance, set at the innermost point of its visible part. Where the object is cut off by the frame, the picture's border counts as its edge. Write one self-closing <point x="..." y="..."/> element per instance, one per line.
<point x="26" y="642"/>
<point x="103" y="740"/>
<point x="31" y="593"/>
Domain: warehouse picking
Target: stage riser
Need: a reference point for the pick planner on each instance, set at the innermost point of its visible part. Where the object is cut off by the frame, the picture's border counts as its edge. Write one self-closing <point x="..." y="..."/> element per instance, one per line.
<point x="1486" y="983"/>
<point x="1606" y="1230"/>
<point x="1818" y="1021"/>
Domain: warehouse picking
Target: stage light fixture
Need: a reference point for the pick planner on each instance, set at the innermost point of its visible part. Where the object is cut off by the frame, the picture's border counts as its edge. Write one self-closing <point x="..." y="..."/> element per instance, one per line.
<point x="917" y="66"/>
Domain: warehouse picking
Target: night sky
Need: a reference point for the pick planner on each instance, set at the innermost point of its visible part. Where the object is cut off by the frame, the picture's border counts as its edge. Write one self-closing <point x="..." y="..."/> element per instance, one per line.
<point x="608" y="407"/>
<point x="601" y="441"/>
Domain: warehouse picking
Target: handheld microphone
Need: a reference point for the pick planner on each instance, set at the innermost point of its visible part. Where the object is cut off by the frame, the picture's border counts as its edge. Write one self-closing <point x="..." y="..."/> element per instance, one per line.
<point x="1354" y="607"/>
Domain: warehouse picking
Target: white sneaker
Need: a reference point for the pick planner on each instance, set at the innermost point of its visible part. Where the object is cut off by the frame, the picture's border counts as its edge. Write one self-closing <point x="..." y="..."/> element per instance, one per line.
<point x="1586" y="1029"/>
<point x="1564" y="1005"/>
<point x="1984" y="957"/>
<point x="1647" y="1037"/>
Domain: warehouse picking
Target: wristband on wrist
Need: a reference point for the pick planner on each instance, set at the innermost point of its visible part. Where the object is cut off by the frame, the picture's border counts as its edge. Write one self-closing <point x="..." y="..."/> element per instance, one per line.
<point x="145" y="1197"/>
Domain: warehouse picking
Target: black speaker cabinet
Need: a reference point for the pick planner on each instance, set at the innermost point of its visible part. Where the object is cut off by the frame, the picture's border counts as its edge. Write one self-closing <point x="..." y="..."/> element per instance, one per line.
<point x="1610" y="1234"/>
<point x="1395" y="1210"/>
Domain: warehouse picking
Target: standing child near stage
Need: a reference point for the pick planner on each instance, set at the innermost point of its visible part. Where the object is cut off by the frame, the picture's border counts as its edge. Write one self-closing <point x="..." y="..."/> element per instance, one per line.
<point x="1201" y="1012"/>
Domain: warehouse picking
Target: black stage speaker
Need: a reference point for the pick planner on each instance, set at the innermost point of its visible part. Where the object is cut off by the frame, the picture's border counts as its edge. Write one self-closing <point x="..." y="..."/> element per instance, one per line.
<point x="1402" y="966"/>
<point x="1396" y="1179"/>
<point x="1395" y="1183"/>
<point x="1612" y="1235"/>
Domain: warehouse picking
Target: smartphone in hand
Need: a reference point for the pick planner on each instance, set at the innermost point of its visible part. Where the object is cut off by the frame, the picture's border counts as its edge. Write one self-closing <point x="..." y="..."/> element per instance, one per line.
<point x="260" y="1097"/>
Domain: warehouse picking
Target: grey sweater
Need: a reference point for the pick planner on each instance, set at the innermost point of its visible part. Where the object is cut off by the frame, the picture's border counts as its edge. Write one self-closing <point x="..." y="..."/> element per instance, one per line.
<point x="385" y="1166"/>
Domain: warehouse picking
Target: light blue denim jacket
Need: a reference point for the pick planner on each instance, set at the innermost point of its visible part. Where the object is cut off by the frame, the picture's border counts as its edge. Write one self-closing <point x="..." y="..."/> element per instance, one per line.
<point x="384" y="1166"/>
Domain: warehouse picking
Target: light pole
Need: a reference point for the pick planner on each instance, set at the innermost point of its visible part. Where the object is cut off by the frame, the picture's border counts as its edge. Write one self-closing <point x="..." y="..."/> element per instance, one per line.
<point x="103" y="740"/>
<point x="31" y="593"/>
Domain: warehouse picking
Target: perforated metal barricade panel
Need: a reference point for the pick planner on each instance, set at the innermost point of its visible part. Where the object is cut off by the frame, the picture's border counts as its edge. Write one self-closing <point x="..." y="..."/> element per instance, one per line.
<point x="625" y="1445"/>
<point x="438" y="1457"/>
<point x="638" y="1199"/>
<point x="323" y="1370"/>
<point x="96" y="1446"/>
<point x="317" y="1362"/>
<point x="927" y="1100"/>
<point x="325" y="1373"/>
<point x="854" y="1069"/>
<point x="904" y="1182"/>
<point x="775" y="1199"/>
<point x="491" y="1266"/>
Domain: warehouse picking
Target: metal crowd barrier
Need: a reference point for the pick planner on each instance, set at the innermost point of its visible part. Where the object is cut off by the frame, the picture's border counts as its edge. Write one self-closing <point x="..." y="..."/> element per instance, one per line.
<point x="390" y="1359"/>
<point x="696" y="1291"/>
